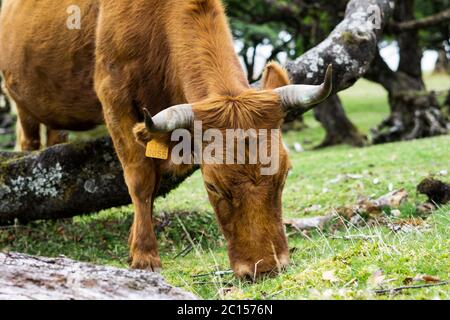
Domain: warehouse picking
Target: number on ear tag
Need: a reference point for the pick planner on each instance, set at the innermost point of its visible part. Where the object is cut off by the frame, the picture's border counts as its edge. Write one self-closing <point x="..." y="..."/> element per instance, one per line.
<point x="157" y="149"/>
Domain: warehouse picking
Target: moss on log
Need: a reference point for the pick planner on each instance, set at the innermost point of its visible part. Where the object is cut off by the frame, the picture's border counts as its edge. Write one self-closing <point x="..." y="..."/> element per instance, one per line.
<point x="64" y="181"/>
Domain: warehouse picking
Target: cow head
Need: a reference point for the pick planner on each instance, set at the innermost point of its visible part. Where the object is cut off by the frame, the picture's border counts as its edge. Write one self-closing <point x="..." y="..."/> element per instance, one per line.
<point x="246" y="200"/>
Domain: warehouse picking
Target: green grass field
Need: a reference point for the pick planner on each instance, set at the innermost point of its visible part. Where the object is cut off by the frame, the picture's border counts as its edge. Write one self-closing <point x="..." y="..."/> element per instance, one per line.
<point x="357" y="265"/>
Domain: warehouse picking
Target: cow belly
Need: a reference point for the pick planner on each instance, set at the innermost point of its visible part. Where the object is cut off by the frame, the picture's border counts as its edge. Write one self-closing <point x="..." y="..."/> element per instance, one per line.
<point x="48" y="68"/>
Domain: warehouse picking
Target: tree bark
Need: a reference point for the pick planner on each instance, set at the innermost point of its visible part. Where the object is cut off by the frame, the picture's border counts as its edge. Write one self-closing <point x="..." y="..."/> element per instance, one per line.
<point x="339" y="129"/>
<point x="443" y="62"/>
<point x="86" y="177"/>
<point x="64" y="181"/>
<point x="24" y="277"/>
<point x="350" y="47"/>
<point x="415" y="113"/>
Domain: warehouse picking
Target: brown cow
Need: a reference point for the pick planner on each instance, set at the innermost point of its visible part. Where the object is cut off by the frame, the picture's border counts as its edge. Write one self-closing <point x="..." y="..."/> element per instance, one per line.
<point x="133" y="55"/>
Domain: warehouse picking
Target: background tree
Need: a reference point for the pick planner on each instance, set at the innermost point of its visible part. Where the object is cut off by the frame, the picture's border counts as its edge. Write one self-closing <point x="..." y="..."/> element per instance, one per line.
<point x="290" y="28"/>
<point x="293" y="27"/>
<point x="415" y="113"/>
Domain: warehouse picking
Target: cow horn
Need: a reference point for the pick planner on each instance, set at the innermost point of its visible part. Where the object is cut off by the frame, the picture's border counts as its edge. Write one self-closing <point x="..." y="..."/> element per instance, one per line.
<point x="176" y="117"/>
<point x="303" y="97"/>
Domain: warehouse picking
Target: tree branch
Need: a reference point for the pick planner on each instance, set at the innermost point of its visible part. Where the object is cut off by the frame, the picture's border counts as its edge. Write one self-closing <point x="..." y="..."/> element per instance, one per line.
<point x="431" y="21"/>
<point x="419" y="286"/>
<point x="350" y="47"/>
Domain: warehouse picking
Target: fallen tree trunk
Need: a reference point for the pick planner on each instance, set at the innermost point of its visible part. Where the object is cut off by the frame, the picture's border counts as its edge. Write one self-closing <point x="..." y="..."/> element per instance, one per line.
<point x="24" y="277"/>
<point x="86" y="177"/>
<point x="64" y="181"/>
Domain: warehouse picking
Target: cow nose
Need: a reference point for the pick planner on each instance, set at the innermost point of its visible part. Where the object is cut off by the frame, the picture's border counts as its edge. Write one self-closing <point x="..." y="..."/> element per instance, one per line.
<point x="260" y="269"/>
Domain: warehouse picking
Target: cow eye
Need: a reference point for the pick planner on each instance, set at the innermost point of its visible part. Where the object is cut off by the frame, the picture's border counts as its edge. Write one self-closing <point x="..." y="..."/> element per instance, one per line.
<point x="211" y="188"/>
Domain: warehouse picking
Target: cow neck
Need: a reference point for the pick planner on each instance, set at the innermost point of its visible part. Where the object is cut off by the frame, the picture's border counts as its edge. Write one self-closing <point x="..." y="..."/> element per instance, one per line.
<point x="203" y="52"/>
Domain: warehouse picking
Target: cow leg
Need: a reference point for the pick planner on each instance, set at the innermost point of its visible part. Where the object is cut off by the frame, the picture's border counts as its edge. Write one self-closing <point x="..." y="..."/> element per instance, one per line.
<point x="27" y="131"/>
<point x="142" y="182"/>
<point x="141" y="173"/>
<point x="55" y="137"/>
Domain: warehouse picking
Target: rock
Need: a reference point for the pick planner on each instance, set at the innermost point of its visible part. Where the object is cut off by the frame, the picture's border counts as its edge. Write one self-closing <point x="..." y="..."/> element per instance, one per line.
<point x="309" y="223"/>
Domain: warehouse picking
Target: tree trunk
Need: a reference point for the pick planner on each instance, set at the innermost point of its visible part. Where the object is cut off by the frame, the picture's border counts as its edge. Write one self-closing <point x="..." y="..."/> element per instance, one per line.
<point x="447" y="105"/>
<point x="86" y="177"/>
<point x="339" y="129"/>
<point x="24" y="277"/>
<point x="443" y="62"/>
<point x="64" y="181"/>
<point x="415" y="113"/>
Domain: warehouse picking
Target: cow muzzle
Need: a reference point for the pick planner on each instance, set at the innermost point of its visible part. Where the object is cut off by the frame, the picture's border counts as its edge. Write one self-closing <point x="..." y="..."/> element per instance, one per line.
<point x="264" y="267"/>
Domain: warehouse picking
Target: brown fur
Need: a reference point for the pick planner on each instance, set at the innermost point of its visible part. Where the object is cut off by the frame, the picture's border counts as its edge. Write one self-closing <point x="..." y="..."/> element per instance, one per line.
<point x="134" y="54"/>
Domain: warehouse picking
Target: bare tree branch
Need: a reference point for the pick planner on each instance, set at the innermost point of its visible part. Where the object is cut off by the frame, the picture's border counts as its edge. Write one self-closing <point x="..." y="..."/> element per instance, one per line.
<point x="419" y="286"/>
<point x="431" y="21"/>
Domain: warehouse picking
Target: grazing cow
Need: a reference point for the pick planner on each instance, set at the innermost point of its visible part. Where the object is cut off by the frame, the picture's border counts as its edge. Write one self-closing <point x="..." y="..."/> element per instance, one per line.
<point x="176" y="59"/>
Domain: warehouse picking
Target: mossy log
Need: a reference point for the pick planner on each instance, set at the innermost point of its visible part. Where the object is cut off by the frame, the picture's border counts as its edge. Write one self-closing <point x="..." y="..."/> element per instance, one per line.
<point x="64" y="181"/>
<point x="24" y="277"/>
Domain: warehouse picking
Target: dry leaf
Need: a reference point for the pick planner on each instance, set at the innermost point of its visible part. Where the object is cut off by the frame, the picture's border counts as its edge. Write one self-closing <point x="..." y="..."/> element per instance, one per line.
<point x="298" y="147"/>
<point x="428" y="278"/>
<point x="392" y="200"/>
<point x="376" y="279"/>
<point x="371" y="209"/>
<point x="231" y="293"/>
<point x="312" y="208"/>
<point x="422" y="278"/>
<point x="408" y="225"/>
<point x="329" y="276"/>
<point x="425" y="209"/>
<point x="443" y="172"/>
<point x="396" y="213"/>
<point x="354" y="176"/>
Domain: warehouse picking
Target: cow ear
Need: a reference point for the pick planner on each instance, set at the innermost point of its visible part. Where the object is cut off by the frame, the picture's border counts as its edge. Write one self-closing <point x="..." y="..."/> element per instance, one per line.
<point x="141" y="134"/>
<point x="274" y="76"/>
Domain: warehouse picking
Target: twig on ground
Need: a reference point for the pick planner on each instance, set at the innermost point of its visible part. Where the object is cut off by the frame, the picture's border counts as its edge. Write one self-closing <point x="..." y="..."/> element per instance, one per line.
<point x="215" y="273"/>
<point x="183" y="253"/>
<point x="419" y="286"/>
<point x="356" y="236"/>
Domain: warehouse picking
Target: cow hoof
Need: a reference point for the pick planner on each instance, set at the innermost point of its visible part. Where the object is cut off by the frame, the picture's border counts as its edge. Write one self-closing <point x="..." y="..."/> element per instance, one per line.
<point x="157" y="270"/>
<point x="147" y="262"/>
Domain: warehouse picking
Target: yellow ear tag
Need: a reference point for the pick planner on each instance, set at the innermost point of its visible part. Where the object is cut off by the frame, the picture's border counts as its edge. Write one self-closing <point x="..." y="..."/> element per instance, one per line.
<point x="157" y="149"/>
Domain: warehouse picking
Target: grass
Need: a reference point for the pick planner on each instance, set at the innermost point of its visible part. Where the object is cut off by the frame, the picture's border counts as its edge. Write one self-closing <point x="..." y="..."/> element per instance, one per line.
<point x="188" y="220"/>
